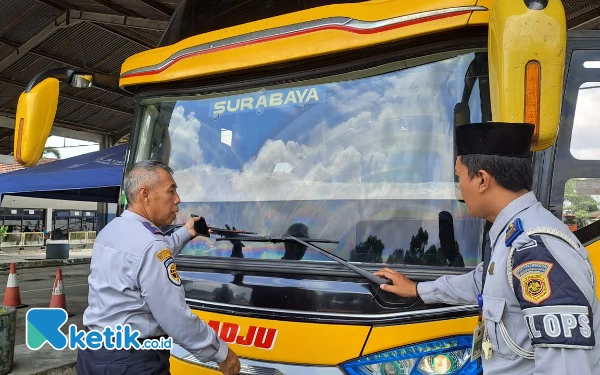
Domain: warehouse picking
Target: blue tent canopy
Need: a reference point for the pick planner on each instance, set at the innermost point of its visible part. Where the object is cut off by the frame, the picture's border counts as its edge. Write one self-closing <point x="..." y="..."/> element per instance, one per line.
<point x="94" y="177"/>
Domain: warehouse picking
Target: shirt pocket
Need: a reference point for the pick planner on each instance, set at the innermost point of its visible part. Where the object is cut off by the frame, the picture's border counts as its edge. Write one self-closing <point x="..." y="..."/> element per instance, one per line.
<point x="494" y="313"/>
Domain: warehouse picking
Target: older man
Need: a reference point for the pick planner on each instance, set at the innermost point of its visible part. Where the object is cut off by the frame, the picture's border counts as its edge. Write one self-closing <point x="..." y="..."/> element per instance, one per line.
<point x="134" y="281"/>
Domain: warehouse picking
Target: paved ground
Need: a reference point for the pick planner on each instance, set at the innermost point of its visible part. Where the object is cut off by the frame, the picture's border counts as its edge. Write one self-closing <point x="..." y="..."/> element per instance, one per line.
<point x="36" y="285"/>
<point x="31" y="259"/>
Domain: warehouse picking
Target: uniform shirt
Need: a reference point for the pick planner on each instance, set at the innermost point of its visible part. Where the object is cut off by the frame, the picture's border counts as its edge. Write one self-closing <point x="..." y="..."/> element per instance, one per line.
<point x="549" y="306"/>
<point x="134" y="281"/>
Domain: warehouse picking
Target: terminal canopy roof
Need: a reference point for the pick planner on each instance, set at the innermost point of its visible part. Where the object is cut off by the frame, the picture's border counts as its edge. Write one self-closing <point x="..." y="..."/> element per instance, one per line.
<point x="94" y="177"/>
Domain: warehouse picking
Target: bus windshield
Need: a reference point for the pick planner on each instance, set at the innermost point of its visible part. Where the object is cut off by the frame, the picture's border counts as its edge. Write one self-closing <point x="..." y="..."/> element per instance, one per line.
<point x="365" y="158"/>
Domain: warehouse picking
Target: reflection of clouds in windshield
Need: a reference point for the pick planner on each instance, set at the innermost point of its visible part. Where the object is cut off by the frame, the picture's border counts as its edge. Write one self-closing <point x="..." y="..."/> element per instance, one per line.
<point x="378" y="148"/>
<point x="276" y="152"/>
<point x="396" y="140"/>
<point x="586" y="129"/>
<point x="184" y="130"/>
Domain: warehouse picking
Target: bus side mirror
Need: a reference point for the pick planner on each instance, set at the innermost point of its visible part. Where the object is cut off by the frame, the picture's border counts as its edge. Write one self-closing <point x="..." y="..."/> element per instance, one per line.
<point x="34" y="118"/>
<point x="527" y="43"/>
<point x="37" y="108"/>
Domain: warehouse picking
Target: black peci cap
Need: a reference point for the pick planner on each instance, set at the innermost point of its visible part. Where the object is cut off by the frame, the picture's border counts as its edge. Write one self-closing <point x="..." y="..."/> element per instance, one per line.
<point x="495" y="138"/>
<point x="297" y="230"/>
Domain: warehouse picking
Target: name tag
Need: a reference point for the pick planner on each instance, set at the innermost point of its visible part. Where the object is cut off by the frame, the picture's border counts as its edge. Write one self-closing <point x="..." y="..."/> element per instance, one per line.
<point x="476" y="347"/>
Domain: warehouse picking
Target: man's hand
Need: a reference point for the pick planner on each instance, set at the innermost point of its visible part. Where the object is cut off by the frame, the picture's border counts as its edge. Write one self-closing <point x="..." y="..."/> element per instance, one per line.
<point x="189" y="225"/>
<point x="231" y="364"/>
<point x="402" y="286"/>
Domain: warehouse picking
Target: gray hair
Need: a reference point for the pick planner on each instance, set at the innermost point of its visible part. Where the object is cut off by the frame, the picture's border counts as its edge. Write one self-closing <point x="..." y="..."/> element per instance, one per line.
<point x="143" y="173"/>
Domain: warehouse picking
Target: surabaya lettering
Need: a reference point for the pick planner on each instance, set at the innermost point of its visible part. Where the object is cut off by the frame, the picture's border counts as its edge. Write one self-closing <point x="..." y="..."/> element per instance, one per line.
<point x="258" y="337"/>
<point x="269" y="100"/>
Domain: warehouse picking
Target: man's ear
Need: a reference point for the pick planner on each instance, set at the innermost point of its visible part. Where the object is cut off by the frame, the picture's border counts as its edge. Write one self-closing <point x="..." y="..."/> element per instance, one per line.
<point x="484" y="180"/>
<point x="144" y="193"/>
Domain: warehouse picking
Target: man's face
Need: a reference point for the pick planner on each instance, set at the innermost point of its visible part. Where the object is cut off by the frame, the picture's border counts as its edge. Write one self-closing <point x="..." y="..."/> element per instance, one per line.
<point x="163" y="200"/>
<point x="469" y="188"/>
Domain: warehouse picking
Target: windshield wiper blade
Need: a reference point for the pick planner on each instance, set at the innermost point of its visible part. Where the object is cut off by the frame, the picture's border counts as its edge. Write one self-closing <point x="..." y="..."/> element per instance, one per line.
<point x="307" y="242"/>
<point x="214" y="230"/>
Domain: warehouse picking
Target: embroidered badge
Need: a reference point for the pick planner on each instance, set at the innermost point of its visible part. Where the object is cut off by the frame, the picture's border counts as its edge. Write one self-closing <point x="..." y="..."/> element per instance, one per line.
<point x="514" y="230"/>
<point x="164" y="254"/>
<point x="535" y="280"/>
<point x="166" y="257"/>
<point x="152" y="228"/>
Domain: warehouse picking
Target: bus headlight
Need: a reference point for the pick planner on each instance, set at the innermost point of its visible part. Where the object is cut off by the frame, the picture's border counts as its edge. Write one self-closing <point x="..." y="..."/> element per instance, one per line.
<point x="450" y="356"/>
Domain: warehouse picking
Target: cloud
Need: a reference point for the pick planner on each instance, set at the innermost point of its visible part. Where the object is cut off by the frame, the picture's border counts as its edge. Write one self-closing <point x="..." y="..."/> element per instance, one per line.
<point x="393" y="143"/>
<point x="586" y="123"/>
<point x="184" y="130"/>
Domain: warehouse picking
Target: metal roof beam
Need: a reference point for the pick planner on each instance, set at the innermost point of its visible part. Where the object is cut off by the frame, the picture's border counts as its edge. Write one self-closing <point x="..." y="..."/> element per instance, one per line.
<point x="61" y="60"/>
<point x="111" y="30"/>
<point x="118" y="20"/>
<point x="65" y="62"/>
<point x="38" y="38"/>
<point x="581" y="22"/>
<point x="75" y="131"/>
<point x="117" y="8"/>
<point x="52" y="57"/>
<point x="57" y="4"/>
<point x="158" y="7"/>
<point x="126" y="131"/>
<point x="74" y="98"/>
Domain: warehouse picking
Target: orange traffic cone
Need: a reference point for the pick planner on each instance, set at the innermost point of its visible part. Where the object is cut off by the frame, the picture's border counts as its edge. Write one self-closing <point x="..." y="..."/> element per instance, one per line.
<point x="58" y="299"/>
<point x="12" y="295"/>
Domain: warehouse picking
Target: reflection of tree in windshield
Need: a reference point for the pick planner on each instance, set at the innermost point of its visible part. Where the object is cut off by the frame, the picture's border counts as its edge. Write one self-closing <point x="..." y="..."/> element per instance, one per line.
<point x="418" y="253"/>
<point x="369" y="251"/>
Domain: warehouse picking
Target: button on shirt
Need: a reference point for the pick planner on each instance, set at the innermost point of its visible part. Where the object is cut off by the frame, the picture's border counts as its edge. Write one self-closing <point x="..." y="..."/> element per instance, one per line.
<point x="134" y="281"/>
<point x="543" y="300"/>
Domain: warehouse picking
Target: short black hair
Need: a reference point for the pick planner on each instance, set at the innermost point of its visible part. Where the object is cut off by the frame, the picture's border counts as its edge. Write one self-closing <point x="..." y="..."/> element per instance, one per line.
<point x="514" y="174"/>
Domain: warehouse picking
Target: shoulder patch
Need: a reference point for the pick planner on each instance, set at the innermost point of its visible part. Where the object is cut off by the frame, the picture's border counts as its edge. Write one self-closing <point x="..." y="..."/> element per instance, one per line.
<point x="535" y="280"/>
<point x="166" y="258"/>
<point x="164" y="254"/>
<point x="557" y="313"/>
<point x="152" y="228"/>
<point x="514" y="230"/>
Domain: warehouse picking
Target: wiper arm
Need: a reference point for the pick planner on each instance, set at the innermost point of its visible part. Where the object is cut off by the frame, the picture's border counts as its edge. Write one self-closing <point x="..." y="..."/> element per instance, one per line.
<point x="287" y="238"/>
<point x="214" y="230"/>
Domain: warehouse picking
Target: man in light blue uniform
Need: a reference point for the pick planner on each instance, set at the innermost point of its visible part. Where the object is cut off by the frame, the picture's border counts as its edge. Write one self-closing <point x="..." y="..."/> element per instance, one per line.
<point x="134" y="281"/>
<point x="536" y="287"/>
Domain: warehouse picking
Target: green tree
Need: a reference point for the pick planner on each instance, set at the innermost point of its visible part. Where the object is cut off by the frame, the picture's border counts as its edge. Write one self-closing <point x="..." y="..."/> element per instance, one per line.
<point x="3" y="230"/>
<point x="51" y="151"/>
<point x="580" y="205"/>
<point x="397" y="257"/>
<point x="416" y="251"/>
<point x="369" y="251"/>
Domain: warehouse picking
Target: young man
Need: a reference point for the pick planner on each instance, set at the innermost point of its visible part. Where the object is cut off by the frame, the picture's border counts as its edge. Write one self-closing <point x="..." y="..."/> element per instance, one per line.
<point x="134" y="281"/>
<point x="536" y="286"/>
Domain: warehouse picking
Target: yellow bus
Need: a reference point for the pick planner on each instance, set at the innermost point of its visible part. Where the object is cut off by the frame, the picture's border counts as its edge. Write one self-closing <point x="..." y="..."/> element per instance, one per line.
<point x="326" y="127"/>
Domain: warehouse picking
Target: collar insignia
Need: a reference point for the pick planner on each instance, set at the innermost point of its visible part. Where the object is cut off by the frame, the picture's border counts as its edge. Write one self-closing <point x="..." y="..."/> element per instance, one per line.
<point x="514" y="230"/>
<point x="152" y="228"/>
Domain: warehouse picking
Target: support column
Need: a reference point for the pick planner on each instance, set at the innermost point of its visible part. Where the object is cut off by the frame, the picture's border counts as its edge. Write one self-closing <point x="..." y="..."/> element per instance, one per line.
<point x="102" y="210"/>
<point x="48" y="223"/>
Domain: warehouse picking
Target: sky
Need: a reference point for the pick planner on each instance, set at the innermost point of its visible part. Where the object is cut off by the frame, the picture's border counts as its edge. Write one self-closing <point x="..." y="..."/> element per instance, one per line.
<point x="70" y="147"/>
<point x="586" y="132"/>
